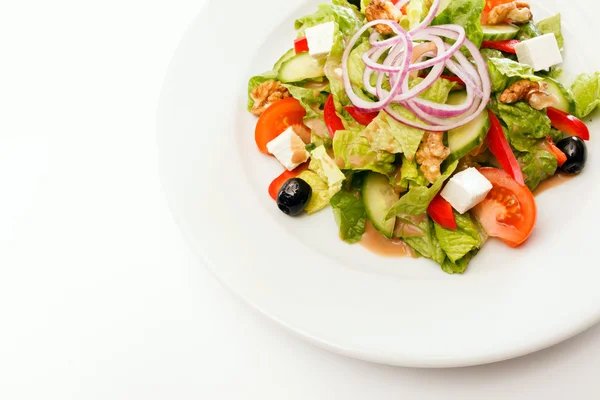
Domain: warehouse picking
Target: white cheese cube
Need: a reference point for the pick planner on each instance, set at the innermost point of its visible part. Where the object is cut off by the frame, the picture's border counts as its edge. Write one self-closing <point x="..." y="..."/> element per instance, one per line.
<point x="289" y="149"/>
<point x="541" y="52"/>
<point x="466" y="189"/>
<point x="320" y="38"/>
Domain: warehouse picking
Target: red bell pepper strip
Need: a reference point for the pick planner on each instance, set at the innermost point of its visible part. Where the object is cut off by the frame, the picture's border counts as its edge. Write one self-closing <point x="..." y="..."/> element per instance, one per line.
<point x="454" y="79"/>
<point x="507" y="46"/>
<point x="278" y="182"/>
<point x="363" y="118"/>
<point x="301" y="45"/>
<point x="560" y="156"/>
<point x="441" y="212"/>
<point x="501" y="150"/>
<point x="333" y="122"/>
<point x="568" y="124"/>
<point x="403" y="9"/>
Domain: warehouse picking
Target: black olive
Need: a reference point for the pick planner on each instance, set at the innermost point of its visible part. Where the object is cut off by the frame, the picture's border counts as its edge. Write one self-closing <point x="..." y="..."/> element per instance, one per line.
<point x="294" y="196"/>
<point x="576" y="151"/>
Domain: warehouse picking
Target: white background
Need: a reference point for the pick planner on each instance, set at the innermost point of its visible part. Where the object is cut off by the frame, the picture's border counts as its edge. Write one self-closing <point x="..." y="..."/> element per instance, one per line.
<point x="100" y="297"/>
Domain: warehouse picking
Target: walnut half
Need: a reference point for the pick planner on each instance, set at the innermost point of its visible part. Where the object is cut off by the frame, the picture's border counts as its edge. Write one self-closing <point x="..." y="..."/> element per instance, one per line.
<point x="431" y="155"/>
<point x="266" y="94"/>
<point x="533" y="93"/>
<point x="517" y="12"/>
<point x="382" y="9"/>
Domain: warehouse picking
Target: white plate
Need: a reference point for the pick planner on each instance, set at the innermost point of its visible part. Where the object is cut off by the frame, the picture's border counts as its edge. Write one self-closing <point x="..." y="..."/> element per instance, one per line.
<point x="343" y="298"/>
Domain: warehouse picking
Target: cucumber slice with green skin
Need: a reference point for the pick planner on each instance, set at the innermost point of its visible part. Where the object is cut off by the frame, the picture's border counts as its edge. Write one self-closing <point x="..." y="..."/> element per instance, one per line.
<point x="300" y="67"/>
<point x="565" y="101"/>
<point x="379" y="196"/>
<point x="291" y="53"/>
<point x="467" y="138"/>
<point x="499" y="32"/>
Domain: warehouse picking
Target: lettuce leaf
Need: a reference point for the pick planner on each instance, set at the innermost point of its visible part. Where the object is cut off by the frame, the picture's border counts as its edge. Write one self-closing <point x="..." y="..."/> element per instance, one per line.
<point x="466" y="13"/>
<point x="311" y="99"/>
<point x="537" y="165"/>
<point x="458" y="243"/>
<point x="320" y="192"/>
<point x="504" y="72"/>
<point x="458" y="267"/>
<point x="347" y="18"/>
<point x="356" y="153"/>
<point x="326" y="169"/>
<point x="586" y="93"/>
<point x="350" y="215"/>
<point x="528" y="31"/>
<point x="416" y="10"/>
<point x="426" y="245"/>
<point x="524" y="124"/>
<point x="416" y="201"/>
<point x="411" y="174"/>
<point x="552" y="25"/>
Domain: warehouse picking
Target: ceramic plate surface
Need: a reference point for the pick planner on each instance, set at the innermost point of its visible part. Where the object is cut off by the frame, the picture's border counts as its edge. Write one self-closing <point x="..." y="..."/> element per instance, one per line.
<point x="344" y="298"/>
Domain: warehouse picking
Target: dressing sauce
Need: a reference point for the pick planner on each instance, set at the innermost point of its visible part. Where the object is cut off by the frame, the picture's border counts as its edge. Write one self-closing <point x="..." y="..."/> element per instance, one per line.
<point x="550" y="183"/>
<point x="375" y="242"/>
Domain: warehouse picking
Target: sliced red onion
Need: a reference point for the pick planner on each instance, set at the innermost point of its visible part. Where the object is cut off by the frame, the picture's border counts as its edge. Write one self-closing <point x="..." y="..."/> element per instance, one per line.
<point x="399" y="64"/>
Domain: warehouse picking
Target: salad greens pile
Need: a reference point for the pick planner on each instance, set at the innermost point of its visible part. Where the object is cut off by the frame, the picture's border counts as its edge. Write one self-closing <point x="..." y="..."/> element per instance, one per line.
<point x="384" y="146"/>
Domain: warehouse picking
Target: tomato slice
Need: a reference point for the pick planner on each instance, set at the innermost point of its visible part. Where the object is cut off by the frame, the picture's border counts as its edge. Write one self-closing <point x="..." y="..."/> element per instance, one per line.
<point x="509" y="211"/>
<point x="301" y="45"/>
<point x="568" y="124"/>
<point x="363" y="118"/>
<point x="276" y="119"/>
<point x="332" y="120"/>
<point x="501" y="150"/>
<point x="278" y="182"/>
<point x="560" y="156"/>
<point x="507" y="46"/>
<point x="441" y="212"/>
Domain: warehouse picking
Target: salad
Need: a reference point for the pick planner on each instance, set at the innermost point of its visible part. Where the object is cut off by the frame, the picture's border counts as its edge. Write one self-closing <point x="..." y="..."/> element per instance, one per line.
<point x="432" y="121"/>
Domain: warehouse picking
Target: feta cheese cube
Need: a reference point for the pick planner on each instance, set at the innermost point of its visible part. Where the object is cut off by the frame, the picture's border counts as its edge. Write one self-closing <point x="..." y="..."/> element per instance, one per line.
<point x="320" y="38"/>
<point x="289" y="149"/>
<point x="466" y="189"/>
<point x="541" y="52"/>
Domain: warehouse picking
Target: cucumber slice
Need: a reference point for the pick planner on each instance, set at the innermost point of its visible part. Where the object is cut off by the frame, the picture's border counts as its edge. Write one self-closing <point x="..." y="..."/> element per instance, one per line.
<point x="300" y="67"/>
<point x="565" y="101"/>
<point x="379" y="196"/>
<point x="291" y="53"/>
<point x="467" y="138"/>
<point x="499" y="32"/>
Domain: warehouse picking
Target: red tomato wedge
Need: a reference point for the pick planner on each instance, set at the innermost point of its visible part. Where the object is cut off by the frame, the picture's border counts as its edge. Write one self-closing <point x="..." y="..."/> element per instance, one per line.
<point x="363" y="118"/>
<point x="501" y="150"/>
<point x="509" y="211"/>
<point x="560" y="156"/>
<point x="454" y="79"/>
<point x="332" y="120"/>
<point x="441" y="212"/>
<point x="507" y="46"/>
<point x="568" y="124"/>
<point x="278" y="182"/>
<point x="276" y="119"/>
<point x="301" y="45"/>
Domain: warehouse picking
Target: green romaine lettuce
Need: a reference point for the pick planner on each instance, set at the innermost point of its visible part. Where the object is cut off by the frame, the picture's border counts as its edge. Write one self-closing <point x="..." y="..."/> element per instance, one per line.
<point x="320" y="192"/>
<point x="426" y="245"/>
<point x="458" y="267"/>
<point x="491" y="53"/>
<point x="537" y="165"/>
<point x="460" y="242"/>
<point x="350" y="215"/>
<point x="466" y="13"/>
<point x="552" y="25"/>
<point x="356" y="153"/>
<point x="416" y="10"/>
<point x="504" y="72"/>
<point x="416" y="201"/>
<point x="411" y="174"/>
<point x="356" y="68"/>
<point x="311" y="99"/>
<point x="528" y="31"/>
<point x="524" y="123"/>
<point x="326" y="169"/>
<point x="347" y="18"/>
<point x="586" y="93"/>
